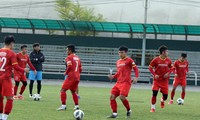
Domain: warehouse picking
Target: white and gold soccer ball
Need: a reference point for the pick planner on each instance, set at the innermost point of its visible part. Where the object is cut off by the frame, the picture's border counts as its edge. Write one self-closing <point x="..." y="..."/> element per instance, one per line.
<point x="78" y="115"/>
<point x="180" y="101"/>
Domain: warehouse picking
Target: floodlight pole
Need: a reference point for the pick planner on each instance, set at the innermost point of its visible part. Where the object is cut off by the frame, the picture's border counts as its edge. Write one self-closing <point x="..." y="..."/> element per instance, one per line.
<point x="144" y="34"/>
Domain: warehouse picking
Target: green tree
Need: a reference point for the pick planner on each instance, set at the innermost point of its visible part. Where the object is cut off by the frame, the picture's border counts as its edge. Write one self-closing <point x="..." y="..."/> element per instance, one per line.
<point x="69" y="10"/>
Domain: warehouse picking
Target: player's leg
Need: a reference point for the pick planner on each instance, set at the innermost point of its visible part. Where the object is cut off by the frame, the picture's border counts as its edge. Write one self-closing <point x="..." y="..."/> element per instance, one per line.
<point x="175" y="84"/>
<point x="23" y="87"/>
<point x="1" y="107"/>
<point x="183" y="93"/>
<point x="77" y="92"/>
<point x="164" y="91"/>
<point x="63" y="95"/>
<point x="8" y="107"/>
<point x="16" y="89"/>
<point x="39" y="86"/>
<point x="153" y="100"/>
<point x="124" y="91"/>
<point x="1" y="101"/>
<point x="113" y="103"/>
<point x="183" y="84"/>
<point x="172" y="94"/>
<point x="73" y="89"/>
<point x="31" y="88"/>
<point x="63" y="98"/>
<point x="31" y="77"/>
<point x="39" y="82"/>
<point x="7" y="90"/>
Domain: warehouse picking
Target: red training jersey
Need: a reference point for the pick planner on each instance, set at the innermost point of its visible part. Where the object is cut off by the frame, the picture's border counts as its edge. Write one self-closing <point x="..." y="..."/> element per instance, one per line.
<point x="22" y="61"/>
<point x="7" y="60"/>
<point x="74" y="67"/>
<point x="181" y="68"/>
<point x="161" y="66"/>
<point x="124" y="69"/>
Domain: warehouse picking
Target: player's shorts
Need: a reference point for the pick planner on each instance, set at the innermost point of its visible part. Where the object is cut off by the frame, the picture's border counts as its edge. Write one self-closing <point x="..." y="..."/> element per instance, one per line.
<point x="70" y="85"/>
<point x="178" y="81"/>
<point x="19" y="78"/>
<point x="32" y="76"/>
<point x="162" y="87"/>
<point x="6" y="88"/>
<point x="121" y="89"/>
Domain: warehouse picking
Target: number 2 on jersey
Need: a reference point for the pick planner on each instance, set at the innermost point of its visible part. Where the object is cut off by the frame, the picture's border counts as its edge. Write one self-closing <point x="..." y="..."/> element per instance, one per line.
<point x="2" y="63"/>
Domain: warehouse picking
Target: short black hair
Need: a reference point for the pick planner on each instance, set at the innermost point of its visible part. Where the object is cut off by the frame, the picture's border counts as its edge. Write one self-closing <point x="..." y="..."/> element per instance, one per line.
<point x="23" y="46"/>
<point x="184" y="55"/>
<point x="36" y="45"/>
<point x="9" y="39"/>
<point x="71" y="47"/>
<point x="123" y="48"/>
<point x="162" y="49"/>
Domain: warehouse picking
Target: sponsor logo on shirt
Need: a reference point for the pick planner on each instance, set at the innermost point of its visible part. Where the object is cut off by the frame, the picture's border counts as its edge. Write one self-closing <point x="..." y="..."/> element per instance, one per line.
<point x="121" y="64"/>
<point x="183" y="66"/>
<point x="3" y="54"/>
<point x="163" y="65"/>
<point x="22" y="59"/>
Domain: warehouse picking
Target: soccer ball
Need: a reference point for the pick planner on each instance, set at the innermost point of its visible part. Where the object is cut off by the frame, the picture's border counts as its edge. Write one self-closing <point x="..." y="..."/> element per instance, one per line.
<point x="78" y="114"/>
<point x="180" y="101"/>
<point x="36" y="97"/>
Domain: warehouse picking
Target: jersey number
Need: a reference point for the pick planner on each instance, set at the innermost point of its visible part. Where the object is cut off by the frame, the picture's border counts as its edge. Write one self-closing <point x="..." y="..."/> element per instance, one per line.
<point x="3" y="63"/>
<point x="76" y="66"/>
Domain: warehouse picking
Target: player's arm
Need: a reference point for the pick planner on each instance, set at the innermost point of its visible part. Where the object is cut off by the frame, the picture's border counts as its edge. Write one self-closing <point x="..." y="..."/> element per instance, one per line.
<point x="151" y="68"/>
<point x="31" y="65"/>
<point x="69" y="65"/>
<point x="136" y="70"/>
<point x="42" y="58"/>
<point x="80" y="67"/>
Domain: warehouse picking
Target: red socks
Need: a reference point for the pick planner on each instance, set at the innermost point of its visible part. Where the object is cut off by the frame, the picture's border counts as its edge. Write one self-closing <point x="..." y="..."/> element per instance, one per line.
<point x="8" y="107"/>
<point x="126" y="104"/>
<point x="22" y="89"/>
<point x="172" y="95"/>
<point x="113" y="105"/>
<point x="1" y="105"/>
<point x="63" y="97"/>
<point x="15" y="90"/>
<point x="75" y="98"/>
<point x="153" y="100"/>
<point x="183" y="95"/>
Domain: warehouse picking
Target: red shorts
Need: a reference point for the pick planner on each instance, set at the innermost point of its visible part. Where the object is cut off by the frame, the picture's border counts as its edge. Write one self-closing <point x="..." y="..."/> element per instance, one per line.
<point x="121" y="89"/>
<point x="162" y="87"/>
<point x="70" y="85"/>
<point x="18" y="77"/>
<point x="178" y="81"/>
<point x="6" y="88"/>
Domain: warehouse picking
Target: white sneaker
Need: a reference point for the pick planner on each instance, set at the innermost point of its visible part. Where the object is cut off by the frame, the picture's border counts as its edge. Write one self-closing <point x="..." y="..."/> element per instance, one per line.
<point x="1" y="116"/>
<point x="76" y="107"/>
<point x="5" y="117"/>
<point x="62" y="107"/>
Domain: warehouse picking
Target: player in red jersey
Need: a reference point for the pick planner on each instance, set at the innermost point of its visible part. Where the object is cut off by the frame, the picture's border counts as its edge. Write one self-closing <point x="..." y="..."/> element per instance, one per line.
<point x="122" y="87"/>
<point x="181" y="70"/>
<point x="74" y="69"/>
<point x="160" y="67"/>
<point x="7" y="62"/>
<point x="22" y="59"/>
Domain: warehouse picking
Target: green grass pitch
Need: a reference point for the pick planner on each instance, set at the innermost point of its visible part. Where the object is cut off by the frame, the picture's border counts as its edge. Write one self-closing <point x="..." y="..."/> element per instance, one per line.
<point x="95" y="104"/>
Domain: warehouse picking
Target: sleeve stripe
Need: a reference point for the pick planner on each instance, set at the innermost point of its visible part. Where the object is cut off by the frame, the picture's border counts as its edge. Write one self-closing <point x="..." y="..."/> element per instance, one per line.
<point x="15" y="63"/>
